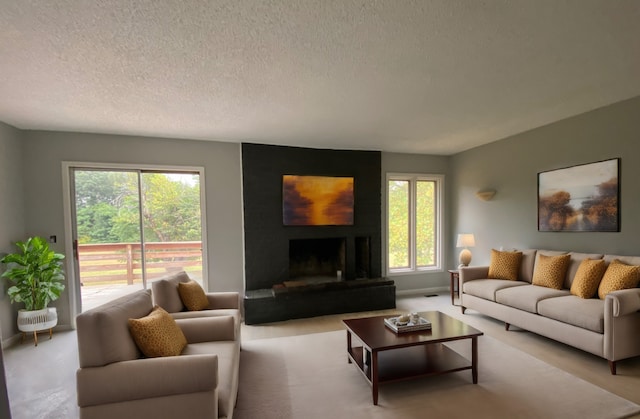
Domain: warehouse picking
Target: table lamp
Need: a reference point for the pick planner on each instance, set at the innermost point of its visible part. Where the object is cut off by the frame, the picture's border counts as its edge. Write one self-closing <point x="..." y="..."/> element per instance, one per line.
<point x="465" y="240"/>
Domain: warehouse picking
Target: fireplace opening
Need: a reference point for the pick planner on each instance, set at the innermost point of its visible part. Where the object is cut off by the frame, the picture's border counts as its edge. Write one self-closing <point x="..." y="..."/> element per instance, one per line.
<point x="317" y="258"/>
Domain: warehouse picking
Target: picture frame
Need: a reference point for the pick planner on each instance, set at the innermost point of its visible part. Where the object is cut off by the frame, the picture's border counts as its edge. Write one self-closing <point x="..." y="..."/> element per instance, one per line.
<point x="317" y="200"/>
<point x="584" y="197"/>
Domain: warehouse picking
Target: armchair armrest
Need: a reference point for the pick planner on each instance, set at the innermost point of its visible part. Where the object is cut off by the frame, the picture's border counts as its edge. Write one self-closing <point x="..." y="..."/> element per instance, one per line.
<point x="624" y="302"/>
<point x="469" y="273"/>
<point x="146" y="378"/>
<point x="208" y="329"/>
<point x="223" y="300"/>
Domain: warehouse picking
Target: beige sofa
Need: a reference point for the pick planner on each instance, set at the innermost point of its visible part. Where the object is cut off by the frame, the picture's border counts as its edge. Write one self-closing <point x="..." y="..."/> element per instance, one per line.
<point x="115" y="381"/>
<point x="608" y="328"/>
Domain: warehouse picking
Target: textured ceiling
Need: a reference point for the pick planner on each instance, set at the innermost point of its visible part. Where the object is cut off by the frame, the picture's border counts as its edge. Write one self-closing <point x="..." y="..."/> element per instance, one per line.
<point x="424" y="76"/>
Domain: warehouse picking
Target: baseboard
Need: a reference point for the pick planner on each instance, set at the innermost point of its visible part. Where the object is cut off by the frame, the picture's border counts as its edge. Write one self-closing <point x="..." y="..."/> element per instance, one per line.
<point x="17" y="338"/>
<point x="421" y="291"/>
<point x="13" y="340"/>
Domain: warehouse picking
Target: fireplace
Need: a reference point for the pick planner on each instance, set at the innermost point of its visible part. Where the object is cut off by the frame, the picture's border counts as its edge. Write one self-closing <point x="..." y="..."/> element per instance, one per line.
<point x="291" y="271"/>
<point x="317" y="258"/>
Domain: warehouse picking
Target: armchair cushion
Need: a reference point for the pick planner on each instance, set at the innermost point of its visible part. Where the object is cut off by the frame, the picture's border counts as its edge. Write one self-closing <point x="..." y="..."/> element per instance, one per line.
<point x="157" y="334"/>
<point x="193" y="296"/>
<point x="103" y="333"/>
<point x="165" y="291"/>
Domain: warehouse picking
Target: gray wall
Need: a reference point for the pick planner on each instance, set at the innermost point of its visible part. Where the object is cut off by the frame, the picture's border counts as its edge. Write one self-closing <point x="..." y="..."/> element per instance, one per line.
<point x="511" y="167"/>
<point x="44" y="153"/>
<point x="12" y="221"/>
<point x="424" y="164"/>
<point x="509" y="220"/>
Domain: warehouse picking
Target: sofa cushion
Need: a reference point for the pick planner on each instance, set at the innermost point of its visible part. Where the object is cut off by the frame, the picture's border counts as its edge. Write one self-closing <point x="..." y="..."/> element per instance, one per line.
<point x="165" y="291"/>
<point x="486" y="288"/>
<point x="618" y="276"/>
<point x="193" y="296"/>
<point x="228" y="364"/>
<point x="585" y="313"/>
<point x="103" y="333"/>
<point x="587" y="278"/>
<point x="574" y="264"/>
<point x="629" y="260"/>
<point x="504" y="265"/>
<point x="526" y="265"/>
<point x="550" y="271"/>
<point x="526" y="298"/>
<point x="157" y="334"/>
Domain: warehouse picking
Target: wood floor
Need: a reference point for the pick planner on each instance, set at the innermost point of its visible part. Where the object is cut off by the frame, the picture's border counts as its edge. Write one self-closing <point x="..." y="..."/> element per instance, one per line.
<point x="41" y="381"/>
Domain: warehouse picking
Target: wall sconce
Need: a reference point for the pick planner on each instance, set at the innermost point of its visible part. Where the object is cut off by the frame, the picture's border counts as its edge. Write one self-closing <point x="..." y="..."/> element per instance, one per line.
<point x="465" y="240"/>
<point x="486" y="194"/>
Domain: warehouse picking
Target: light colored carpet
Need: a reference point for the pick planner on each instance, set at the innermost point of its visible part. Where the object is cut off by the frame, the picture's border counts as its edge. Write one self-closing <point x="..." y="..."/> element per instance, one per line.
<point x="307" y="376"/>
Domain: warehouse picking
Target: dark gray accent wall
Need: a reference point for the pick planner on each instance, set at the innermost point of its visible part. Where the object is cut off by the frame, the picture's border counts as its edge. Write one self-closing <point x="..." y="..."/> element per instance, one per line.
<point x="267" y="239"/>
<point x="511" y="167"/>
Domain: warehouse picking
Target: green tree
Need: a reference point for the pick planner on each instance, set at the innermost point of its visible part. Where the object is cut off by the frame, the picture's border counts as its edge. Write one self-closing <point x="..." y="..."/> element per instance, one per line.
<point x="425" y="227"/>
<point x="107" y="207"/>
<point x="398" y="223"/>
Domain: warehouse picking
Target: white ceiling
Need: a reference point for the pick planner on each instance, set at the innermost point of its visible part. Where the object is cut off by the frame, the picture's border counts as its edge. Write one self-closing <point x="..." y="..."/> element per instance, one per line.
<point x="422" y="76"/>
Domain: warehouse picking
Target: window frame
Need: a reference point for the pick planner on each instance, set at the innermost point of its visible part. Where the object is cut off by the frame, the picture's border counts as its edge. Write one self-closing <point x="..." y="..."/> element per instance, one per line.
<point x="413" y="179"/>
<point x="68" y="167"/>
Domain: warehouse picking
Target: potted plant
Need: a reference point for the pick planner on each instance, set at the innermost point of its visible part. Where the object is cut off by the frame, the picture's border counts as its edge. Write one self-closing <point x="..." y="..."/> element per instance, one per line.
<point x="38" y="278"/>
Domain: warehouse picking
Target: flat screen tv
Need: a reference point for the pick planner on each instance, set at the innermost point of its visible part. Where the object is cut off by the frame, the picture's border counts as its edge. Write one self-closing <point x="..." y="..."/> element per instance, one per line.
<point x="317" y="200"/>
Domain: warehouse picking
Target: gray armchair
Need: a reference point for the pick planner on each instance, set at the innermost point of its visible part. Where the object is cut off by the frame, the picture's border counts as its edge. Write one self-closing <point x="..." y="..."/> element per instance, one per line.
<point x="116" y="380"/>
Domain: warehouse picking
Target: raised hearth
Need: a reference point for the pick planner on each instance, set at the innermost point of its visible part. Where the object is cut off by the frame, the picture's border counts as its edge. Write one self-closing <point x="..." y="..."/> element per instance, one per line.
<point x="318" y="299"/>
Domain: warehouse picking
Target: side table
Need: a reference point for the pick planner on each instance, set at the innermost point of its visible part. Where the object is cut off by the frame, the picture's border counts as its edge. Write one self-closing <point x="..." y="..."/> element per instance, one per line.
<point x="454" y="278"/>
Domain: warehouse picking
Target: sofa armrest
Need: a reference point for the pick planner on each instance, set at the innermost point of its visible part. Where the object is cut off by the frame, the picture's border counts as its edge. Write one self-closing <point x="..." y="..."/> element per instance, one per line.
<point x="208" y="329"/>
<point x="223" y="300"/>
<point x="469" y="273"/>
<point x="146" y="378"/>
<point x="624" y="302"/>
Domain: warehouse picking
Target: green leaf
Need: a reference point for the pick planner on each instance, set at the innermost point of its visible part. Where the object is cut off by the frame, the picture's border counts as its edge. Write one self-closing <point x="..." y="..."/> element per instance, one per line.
<point x="36" y="273"/>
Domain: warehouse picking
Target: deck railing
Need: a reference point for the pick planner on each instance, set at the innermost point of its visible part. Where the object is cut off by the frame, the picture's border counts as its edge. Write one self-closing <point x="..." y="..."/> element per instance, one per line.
<point x="122" y="262"/>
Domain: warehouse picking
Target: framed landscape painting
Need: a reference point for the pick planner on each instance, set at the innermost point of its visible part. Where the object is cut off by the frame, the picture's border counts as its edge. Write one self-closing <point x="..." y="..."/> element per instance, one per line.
<point x="580" y="198"/>
<point x="317" y="200"/>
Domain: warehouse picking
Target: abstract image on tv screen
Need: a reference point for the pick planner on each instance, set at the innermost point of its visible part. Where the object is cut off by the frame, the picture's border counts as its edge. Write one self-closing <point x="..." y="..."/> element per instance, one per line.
<point x="317" y="200"/>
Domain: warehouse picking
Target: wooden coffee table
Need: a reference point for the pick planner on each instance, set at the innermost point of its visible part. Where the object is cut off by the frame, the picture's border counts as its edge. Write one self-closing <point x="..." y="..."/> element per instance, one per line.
<point x="386" y="357"/>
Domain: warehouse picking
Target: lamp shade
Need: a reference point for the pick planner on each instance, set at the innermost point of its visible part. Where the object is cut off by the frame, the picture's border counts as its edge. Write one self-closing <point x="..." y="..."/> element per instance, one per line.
<point x="466" y="240"/>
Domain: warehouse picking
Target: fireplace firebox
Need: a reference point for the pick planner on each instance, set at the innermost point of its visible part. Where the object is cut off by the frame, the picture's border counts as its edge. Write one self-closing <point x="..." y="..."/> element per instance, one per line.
<point x="312" y="258"/>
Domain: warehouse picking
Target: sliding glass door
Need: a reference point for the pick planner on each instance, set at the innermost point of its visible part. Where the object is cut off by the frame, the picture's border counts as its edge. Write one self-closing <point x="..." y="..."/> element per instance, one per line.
<point x="131" y="226"/>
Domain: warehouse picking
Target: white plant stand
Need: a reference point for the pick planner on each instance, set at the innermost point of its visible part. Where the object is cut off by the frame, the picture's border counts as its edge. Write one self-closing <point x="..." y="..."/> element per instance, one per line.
<point x="36" y="321"/>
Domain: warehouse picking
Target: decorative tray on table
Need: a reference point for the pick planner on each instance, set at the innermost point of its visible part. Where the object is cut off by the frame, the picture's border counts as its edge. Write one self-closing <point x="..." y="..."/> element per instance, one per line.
<point x="400" y="326"/>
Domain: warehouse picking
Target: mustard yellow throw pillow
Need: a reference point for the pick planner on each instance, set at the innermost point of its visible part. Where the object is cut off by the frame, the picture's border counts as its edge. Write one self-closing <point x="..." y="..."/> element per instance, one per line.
<point x="550" y="271"/>
<point x="192" y="296"/>
<point x="588" y="276"/>
<point x="157" y="334"/>
<point x="504" y="265"/>
<point x="618" y="276"/>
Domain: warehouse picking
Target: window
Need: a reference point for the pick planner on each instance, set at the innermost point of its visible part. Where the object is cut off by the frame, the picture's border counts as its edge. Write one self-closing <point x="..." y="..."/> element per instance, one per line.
<point x="129" y="225"/>
<point x="414" y="223"/>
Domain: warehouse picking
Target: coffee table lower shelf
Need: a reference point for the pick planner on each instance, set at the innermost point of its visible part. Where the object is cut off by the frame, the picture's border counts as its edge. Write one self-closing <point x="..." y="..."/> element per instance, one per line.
<point x="409" y="363"/>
